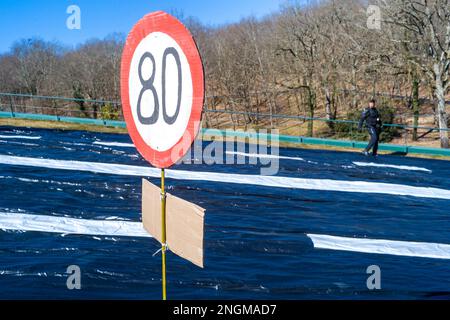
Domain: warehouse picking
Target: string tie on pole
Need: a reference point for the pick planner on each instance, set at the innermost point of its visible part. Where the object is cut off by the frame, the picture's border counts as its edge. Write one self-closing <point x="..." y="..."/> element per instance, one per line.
<point x="166" y="248"/>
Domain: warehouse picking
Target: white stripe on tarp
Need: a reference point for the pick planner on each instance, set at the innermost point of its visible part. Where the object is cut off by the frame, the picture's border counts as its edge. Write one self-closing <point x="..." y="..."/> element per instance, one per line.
<point x="262" y="156"/>
<point x="390" y="247"/>
<point x="63" y="225"/>
<point x="379" y="165"/>
<point x="19" y="137"/>
<point x="114" y="144"/>
<point x="269" y="181"/>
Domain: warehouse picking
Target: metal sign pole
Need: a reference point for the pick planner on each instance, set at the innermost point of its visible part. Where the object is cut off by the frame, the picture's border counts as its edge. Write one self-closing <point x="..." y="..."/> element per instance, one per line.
<point x="178" y="43"/>
<point x="163" y="234"/>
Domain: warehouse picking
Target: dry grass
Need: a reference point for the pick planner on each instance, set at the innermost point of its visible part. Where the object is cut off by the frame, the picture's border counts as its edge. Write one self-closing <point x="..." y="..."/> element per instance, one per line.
<point x="59" y="125"/>
<point x="327" y="148"/>
<point x="289" y="129"/>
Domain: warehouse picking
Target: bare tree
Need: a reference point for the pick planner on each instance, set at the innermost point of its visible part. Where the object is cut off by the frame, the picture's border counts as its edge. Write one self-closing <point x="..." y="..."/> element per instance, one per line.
<point x="9" y="65"/>
<point x="428" y="21"/>
<point x="299" y="37"/>
<point x="37" y="65"/>
<point x="93" y="71"/>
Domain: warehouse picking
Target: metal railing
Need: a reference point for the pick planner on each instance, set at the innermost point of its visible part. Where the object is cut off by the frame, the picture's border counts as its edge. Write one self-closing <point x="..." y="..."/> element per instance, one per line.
<point x="293" y="124"/>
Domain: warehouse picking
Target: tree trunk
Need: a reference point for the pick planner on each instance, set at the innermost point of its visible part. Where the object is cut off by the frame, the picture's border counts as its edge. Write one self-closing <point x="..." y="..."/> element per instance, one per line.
<point x="415" y="106"/>
<point x="354" y="88"/>
<point x="233" y="120"/>
<point x="270" y="111"/>
<point x="311" y="105"/>
<point x="329" y="108"/>
<point x="95" y="111"/>
<point x="442" y="116"/>
<point x="257" y="109"/>
<point x="206" y="113"/>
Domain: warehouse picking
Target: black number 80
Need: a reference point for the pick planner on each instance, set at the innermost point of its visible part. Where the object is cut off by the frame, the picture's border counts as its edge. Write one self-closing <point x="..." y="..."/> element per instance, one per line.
<point x="149" y="85"/>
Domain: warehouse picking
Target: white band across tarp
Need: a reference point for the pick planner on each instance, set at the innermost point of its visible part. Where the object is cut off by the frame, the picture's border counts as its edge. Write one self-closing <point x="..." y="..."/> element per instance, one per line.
<point x="392" y="166"/>
<point x="262" y="156"/>
<point x="399" y="248"/>
<point x="64" y="225"/>
<point x="269" y="181"/>
<point x="114" y="144"/>
<point x="19" y="137"/>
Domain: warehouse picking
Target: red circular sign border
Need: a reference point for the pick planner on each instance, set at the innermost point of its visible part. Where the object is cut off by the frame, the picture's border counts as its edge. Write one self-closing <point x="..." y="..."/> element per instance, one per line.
<point x="165" y="23"/>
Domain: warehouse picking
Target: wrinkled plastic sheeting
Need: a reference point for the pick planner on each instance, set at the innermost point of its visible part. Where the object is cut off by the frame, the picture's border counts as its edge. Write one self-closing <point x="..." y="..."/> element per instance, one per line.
<point x="64" y="225"/>
<point x="268" y="181"/>
<point x="398" y="248"/>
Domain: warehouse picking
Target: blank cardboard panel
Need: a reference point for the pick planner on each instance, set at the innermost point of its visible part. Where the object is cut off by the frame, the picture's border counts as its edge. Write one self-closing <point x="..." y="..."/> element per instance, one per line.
<point x="184" y="223"/>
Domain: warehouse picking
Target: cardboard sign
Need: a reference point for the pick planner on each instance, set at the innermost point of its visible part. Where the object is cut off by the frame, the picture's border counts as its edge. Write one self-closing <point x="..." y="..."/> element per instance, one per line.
<point x="184" y="223"/>
<point x="162" y="88"/>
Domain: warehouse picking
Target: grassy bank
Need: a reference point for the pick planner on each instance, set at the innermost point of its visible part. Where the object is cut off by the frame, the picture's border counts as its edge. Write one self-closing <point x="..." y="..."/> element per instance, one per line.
<point x="104" y="129"/>
<point x="59" y="125"/>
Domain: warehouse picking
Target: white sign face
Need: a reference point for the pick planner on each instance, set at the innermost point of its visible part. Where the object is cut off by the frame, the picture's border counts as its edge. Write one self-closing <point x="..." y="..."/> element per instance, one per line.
<point x="162" y="84"/>
<point x="160" y="91"/>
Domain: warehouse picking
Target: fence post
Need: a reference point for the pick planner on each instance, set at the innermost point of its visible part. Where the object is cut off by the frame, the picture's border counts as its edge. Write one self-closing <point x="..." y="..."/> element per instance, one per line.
<point x="55" y="108"/>
<point x="205" y="110"/>
<point x="299" y="126"/>
<point x="11" y="106"/>
<point x="406" y="135"/>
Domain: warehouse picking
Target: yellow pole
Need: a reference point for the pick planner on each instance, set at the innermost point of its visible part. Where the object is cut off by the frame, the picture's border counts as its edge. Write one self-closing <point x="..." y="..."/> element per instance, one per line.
<point x="163" y="234"/>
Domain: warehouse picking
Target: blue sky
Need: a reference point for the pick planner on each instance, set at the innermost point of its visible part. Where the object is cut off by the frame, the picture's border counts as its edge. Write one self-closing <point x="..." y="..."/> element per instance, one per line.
<point x="47" y="18"/>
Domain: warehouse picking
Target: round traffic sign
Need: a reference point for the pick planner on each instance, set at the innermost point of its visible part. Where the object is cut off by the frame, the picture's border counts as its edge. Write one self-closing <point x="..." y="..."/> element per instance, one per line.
<point x="162" y="88"/>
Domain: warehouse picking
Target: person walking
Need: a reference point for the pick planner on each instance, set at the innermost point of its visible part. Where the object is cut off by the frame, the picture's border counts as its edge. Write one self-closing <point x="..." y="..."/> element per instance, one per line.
<point x="372" y="118"/>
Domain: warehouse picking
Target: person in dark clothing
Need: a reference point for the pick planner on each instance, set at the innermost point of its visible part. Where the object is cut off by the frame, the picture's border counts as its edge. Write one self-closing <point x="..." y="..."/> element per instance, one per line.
<point x="371" y="117"/>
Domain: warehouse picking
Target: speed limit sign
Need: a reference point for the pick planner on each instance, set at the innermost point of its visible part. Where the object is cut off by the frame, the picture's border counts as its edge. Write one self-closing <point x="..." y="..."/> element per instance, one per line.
<point x="162" y="88"/>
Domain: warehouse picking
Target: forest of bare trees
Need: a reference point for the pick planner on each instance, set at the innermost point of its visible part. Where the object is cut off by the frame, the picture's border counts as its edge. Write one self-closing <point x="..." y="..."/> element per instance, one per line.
<point x="326" y="58"/>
